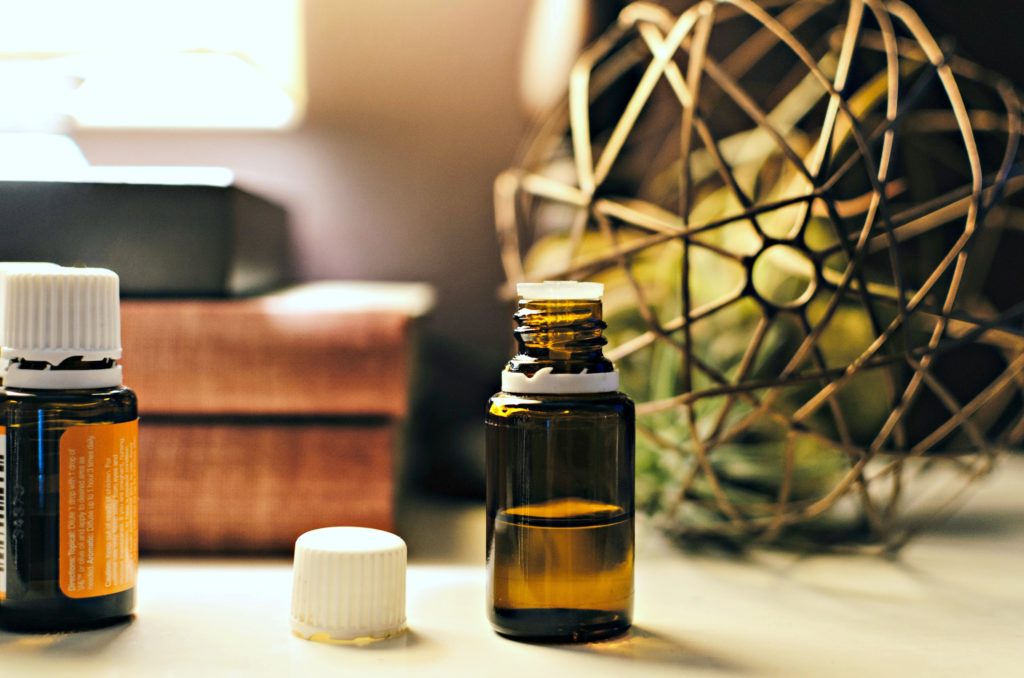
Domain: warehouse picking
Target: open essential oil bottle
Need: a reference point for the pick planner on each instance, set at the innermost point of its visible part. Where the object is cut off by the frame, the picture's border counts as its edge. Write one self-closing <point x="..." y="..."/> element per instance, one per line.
<point x="560" y="476"/>
<point x="69" y="468"/>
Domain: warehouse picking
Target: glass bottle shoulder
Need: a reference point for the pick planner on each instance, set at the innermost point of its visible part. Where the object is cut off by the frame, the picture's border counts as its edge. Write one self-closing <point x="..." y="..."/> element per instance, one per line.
<point x="118" y="403"/>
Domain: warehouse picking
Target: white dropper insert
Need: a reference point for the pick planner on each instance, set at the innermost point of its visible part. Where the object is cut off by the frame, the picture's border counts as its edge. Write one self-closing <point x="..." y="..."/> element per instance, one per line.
<point x="50" y="315"/>
<point x="555" y="290"/>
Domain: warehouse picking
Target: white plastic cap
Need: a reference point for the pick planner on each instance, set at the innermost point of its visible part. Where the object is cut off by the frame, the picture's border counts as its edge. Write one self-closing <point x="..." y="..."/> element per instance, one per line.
<point x="7" y="267"/>
<point x="560" y="290"/>
<point x="348" y="585"/>
<point x="53" y="314"/>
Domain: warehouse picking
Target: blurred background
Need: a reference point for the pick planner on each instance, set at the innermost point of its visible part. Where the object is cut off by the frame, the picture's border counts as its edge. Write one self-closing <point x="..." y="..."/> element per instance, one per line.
<point x="406" y="111"/>
<point x="376" y="127"/>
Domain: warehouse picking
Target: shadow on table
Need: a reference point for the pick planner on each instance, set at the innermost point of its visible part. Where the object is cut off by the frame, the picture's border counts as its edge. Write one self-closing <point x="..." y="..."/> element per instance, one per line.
<point x="79" y="642"/>
<point x="979" y="525"/>
<point x="643" y="646"/>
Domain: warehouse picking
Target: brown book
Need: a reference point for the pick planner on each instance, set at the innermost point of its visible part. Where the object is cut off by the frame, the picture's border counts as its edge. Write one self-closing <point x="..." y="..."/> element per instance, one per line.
<point x="327" y="349"/>
<point x="235" y="486"/>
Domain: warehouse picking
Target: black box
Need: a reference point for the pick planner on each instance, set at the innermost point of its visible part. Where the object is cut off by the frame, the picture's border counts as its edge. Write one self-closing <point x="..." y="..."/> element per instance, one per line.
<point x="166" y="231"/>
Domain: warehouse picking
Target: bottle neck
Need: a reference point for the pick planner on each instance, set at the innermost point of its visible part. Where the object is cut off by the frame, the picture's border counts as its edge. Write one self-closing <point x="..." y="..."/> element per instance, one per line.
<point x="563" y="334"/>
<point x="72" y="373"/>
<point x="560" y="348"/>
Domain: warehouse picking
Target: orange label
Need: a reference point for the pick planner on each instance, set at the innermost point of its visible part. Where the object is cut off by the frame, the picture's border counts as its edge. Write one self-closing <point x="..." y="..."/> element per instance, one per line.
<point x="99" y="509"/>
<point x="3" y="513"/>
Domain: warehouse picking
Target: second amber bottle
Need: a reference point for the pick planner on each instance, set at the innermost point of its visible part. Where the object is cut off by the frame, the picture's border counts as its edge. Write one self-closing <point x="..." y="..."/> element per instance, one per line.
<point x="560" y="476"/>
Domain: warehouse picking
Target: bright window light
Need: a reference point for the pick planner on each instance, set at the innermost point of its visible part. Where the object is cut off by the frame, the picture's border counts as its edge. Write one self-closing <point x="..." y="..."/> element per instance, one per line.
<point x="153" y="63"/>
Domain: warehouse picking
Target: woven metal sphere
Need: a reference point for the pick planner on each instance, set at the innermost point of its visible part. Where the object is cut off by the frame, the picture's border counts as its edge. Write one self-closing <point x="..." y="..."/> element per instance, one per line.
<point x="804" y="216"/>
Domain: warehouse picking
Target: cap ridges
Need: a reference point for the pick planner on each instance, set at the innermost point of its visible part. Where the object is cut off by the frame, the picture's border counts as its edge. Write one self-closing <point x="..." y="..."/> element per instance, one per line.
<point x="50" y="315"/>
<point x="348" y="584"/>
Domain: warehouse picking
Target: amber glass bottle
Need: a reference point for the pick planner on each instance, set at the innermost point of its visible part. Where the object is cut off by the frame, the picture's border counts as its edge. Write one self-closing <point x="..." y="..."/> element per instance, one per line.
<point x="560" y="476"/>
<point x="69" y="468"/>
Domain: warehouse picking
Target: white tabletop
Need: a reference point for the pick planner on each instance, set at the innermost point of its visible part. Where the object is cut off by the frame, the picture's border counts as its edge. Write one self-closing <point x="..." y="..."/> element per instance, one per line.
<point x="952" y="605"/>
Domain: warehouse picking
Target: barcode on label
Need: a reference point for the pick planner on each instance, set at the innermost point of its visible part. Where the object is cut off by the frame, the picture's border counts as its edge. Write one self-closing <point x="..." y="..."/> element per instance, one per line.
<point x="3" y="514"/>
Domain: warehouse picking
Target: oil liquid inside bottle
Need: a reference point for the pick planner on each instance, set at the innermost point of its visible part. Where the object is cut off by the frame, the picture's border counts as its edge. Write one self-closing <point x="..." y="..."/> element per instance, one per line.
<point x="562" y="565"/>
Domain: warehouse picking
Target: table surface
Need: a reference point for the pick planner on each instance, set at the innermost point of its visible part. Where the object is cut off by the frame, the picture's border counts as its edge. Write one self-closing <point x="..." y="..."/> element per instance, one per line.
<point x="951" y="605"/>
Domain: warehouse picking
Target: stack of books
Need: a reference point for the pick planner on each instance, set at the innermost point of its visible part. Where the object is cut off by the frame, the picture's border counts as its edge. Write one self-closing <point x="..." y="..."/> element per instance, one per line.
<point x="267" y="416"/>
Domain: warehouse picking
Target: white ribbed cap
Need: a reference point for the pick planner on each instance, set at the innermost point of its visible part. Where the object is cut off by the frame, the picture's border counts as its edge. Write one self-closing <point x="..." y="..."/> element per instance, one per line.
<point x="560" y="290"/>
<point x="348" y="584"/>
<point x="53" y="314"/>
<point x="6" y="268"/>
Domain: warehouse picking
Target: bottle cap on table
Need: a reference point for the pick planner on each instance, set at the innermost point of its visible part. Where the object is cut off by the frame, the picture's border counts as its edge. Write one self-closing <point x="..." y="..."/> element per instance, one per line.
<point x="348" y="585"/>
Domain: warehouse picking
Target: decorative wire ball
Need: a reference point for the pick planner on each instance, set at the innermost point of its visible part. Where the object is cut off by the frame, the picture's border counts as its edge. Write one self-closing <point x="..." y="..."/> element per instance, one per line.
<point x="802" y="213"/>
